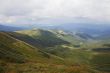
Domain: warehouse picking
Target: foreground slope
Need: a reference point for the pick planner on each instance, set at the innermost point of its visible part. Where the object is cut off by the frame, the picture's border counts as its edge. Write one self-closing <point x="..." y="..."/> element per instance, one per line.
<point x="14" y="51"/>
<point x="12" y="47"/>
<point x="17" y="56"/>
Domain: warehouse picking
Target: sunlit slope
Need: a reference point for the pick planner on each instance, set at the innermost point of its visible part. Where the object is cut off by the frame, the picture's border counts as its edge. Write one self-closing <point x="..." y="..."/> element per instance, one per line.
<point x="67" y="36"/>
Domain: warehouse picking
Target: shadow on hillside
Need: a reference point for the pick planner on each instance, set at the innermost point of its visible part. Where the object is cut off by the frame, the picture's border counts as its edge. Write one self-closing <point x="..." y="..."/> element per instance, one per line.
<point x="41" y="41"/>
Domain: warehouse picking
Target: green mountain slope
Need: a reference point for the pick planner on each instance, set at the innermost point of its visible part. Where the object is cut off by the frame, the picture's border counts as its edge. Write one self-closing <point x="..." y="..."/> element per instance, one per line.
<point x="39" y="37"/>
<point x="17" y="56"/>
<point x="48" y="51"/>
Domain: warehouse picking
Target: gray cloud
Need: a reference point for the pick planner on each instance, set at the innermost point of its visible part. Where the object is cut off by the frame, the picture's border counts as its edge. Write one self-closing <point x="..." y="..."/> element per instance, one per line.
<point x="52" y="11"/>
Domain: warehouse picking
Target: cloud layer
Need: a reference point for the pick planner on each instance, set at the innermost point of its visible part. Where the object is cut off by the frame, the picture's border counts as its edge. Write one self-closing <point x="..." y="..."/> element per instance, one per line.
<point x="53" y="11"/>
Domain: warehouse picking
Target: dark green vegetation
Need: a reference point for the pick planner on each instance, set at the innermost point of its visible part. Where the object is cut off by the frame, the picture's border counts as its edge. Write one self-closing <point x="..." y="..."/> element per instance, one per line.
<point x="101" y="61"/>
<point x="52" y="51"/>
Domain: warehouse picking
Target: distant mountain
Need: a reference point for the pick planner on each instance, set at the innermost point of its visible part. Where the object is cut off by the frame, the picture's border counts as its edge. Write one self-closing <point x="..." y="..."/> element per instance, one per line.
<point x="91" y="29"/>
<point x="9" y="28"/>
<point x="84" y="36"/>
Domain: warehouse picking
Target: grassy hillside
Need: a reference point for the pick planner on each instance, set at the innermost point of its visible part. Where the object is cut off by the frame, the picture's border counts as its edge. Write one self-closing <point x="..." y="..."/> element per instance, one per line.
<point x="17" y="56"/>
<point x="46" y="51"/>
<point x="13" y="50"/>
<point x="60" y="48"/>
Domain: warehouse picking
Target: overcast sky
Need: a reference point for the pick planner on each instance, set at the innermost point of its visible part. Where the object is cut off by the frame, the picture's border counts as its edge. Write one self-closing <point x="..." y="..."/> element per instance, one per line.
<point x="54" y="11"/>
